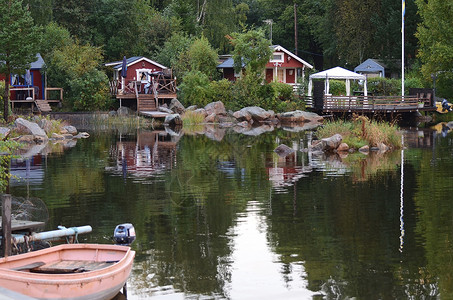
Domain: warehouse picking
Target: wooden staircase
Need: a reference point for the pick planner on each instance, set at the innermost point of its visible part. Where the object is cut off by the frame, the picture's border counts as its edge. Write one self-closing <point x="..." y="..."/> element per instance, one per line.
<point x="146" y="102"/>
<point x="43" y="106"/>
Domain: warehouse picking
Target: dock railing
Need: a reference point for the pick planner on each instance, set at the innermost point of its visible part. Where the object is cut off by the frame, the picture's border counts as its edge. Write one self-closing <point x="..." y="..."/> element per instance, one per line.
<point x="333" y="103"/>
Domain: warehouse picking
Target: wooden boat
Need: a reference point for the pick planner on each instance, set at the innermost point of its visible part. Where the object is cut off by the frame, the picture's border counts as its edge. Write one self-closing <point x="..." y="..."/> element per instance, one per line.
<point x="70" y="271"/>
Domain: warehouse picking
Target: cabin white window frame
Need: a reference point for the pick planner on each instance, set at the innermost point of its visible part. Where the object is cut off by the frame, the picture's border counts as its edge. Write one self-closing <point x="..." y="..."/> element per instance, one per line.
<point x="138" y="73"/>
<point x="280" y="60"/>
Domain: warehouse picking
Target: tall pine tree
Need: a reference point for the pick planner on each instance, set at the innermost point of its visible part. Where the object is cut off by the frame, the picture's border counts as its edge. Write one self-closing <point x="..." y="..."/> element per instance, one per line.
<point x="19" y="39"/>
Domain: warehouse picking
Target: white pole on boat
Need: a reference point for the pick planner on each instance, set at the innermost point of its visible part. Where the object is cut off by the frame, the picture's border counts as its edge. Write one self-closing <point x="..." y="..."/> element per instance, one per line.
<point x="403" y="12"/>
<point x="51" y="235"/>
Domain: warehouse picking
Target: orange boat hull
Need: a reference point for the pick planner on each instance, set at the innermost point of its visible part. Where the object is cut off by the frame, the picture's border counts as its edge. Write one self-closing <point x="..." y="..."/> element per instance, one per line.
<point x="102" y="283"/>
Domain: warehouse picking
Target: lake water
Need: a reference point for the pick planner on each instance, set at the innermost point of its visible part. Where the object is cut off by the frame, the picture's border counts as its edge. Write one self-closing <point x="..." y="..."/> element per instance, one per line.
<point x="219" y="215"/>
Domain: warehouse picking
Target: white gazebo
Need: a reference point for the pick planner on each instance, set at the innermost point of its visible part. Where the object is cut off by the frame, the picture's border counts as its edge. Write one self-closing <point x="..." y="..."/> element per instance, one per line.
<point x="337" y="73"/>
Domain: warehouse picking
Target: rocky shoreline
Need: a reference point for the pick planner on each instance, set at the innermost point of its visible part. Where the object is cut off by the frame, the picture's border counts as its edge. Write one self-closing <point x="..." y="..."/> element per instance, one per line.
<point x="215" y="113"/>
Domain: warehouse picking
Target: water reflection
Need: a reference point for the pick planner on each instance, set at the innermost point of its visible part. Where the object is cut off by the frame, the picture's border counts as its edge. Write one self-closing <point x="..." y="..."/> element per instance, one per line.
<point x="220" y="215"/>
<point x="146" y="154"/>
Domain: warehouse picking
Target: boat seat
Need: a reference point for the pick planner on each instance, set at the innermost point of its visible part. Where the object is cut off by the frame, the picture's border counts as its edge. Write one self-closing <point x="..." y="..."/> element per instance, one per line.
<point x="29" y="266"/>
<point x="71" y="266"/>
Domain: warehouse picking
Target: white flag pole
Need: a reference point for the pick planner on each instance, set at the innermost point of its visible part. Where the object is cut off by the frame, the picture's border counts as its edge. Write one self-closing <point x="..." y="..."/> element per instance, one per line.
<point x="403" y="12"/>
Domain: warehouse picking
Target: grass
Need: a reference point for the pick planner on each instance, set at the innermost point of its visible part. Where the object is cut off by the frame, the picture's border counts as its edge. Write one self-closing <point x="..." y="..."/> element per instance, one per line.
<point x="361" y="131"/>
<point x="192" y="118"/>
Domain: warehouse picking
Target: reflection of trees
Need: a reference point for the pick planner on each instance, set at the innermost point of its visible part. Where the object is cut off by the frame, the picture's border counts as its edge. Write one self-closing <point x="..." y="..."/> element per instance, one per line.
<point x="433" y="200"/>
<point x="346" y="233"/>
<point x="196" y="205"/>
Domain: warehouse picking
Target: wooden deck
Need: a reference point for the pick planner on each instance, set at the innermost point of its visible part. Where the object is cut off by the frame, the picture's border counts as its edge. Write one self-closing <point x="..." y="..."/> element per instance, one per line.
<point x="371" y="104"/>
<point x="42" y="105"/>
<point x="162" y="88"/>
<point x="19" y="225"/>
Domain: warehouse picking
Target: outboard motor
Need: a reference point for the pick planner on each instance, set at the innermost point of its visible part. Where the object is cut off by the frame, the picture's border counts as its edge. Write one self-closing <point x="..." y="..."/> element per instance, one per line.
<point x="124" y="234"/>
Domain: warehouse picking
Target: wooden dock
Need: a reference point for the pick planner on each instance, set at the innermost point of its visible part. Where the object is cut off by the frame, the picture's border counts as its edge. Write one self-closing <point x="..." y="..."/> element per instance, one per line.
<point x="20" y="225"/>
<point x="370" y="104"/>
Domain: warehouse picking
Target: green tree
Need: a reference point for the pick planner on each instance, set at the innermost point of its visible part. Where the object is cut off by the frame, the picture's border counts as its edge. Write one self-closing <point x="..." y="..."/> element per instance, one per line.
<point x="170" y="53"/>
<point x="75" y="15"/>
<point x="54" y="37"/>
<point x="200" y="56"/>
<point x="75" y="68"/>
<point x="435" y="36"/>
<point x="251" y="49"/>
<point x="19" y="38"/>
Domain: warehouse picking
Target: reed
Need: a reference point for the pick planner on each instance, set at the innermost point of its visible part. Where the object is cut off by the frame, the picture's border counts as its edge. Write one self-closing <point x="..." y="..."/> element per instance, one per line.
<point x="361" y="131"/>
<point x="192" y="118"/>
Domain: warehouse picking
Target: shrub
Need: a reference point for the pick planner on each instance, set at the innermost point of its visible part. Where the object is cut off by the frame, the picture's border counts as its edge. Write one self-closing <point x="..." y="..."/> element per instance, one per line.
<point x="337" y="87"/>
<point x="195" y="89"/>
<point x="221" y="90"/>
<point x="384" y="86"/>
<point x="91" y="91"/>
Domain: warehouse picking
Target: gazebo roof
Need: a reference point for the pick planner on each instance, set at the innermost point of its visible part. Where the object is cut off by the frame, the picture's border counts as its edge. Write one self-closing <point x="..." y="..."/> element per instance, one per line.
<point x="370" y="66"/>
<point x="337" y="73"/>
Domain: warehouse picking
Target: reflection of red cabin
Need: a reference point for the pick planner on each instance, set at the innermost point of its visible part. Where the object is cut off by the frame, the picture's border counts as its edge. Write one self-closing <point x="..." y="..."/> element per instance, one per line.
<point x="284" y="67"/>
<point x="37" y="81"/>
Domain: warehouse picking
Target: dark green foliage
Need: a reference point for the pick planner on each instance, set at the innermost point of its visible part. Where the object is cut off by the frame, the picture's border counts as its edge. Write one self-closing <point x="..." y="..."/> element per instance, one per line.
<point x="337" y="87"/>
<point x="90" y="91"/>
<point x="384" y="87"/>
<point x="195" y="89"/>
<point x="436" y="43"/>
<point x="19" y="39"/>
<point x="173" y="48"/>
<point x="252" y="49"/>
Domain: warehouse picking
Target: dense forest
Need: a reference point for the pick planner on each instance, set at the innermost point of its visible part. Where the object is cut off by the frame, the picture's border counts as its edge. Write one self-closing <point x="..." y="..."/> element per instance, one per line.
<point x="329" y="32"/>
<point x="77" y="37"/>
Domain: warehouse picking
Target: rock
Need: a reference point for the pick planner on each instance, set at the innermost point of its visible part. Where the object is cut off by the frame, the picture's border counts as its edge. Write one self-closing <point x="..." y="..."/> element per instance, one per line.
<point x="4" y="133"/>
<point x="383" y="147"/>
<point x="255" y="131"/>
<point x="173" y="120"/>
<point x="176" y="106"/>
<point x="29" y="127"/>
<point x="26" y="139"/>
<point x="299" y="116"/>
<point x="201" y="111"/>
<point x="215" y="133"/>
<point x="343" y="147"/>
<point x="297" y="127"/>
<point x="450" y="125"/>
<point x="216" y="108"/>
<point x="211" y="118"/>
<point x="226" y="124"/>
<point x="242" y="115"/>
<point x="283" y="150"/>
<point x="332" y="143"/>
<point x="124" y="111"/>
<point x="316" y="146"/>
<point x="82" y="135"/>
<point x="56" y="136"/>
<point x="70" y="129"/>
<point x="258" y="114"/>
<point x="191" y="108"/>
<point x="165" y="110"/>
<point x="68" y="136"/>
<point x="46" y="125"/>
<point x="243" y="124"/>
<point x="63" y="131"/>
<point x="225" y="119"/>
<point x="365" y="149"/>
